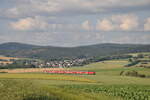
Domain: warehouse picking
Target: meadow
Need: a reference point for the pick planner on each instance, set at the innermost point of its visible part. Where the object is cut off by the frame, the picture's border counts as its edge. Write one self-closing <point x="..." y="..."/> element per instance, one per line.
<point x="107" y="84"/>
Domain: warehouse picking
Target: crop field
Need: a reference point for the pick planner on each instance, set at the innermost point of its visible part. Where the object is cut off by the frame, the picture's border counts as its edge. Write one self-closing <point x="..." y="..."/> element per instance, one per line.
<point x="107" y="84"/>
<point x="127" y="92"/>
<point x="46" y="77"/>
<point x="28" y="70"/>
<point x="7" y="58"/>
<point x="30" y="90"/>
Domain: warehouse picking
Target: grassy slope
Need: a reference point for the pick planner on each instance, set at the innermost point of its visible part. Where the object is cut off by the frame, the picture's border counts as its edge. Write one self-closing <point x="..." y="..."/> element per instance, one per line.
<point x="108" y="73"/>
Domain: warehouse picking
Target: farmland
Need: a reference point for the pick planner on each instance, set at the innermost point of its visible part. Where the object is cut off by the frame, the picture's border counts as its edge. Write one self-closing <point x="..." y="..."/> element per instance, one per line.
<point x="46" y="77"/>
<point x="107" y="84"/>
<point x="30" y="90"/>
<point x="7" y="58"/>
<point x="28" y="70"/>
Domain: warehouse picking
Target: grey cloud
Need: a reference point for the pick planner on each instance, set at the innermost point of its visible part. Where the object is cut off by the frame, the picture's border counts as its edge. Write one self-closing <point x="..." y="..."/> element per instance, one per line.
<point x="69" y="7"/>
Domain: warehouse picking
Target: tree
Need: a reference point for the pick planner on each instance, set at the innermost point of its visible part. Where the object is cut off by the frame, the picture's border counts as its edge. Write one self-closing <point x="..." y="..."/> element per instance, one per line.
<point x="130" y="60"/>
<point x="140" y="56"/>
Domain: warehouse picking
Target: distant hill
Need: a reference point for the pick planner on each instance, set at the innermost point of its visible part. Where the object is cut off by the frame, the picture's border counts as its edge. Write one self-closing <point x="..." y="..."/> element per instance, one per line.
<point x="16" y="46"/>
<point x="50" y="52"/>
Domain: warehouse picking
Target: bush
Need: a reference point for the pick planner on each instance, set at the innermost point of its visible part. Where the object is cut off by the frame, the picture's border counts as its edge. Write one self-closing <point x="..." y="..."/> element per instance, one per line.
<point x="132" y="73"/>
<point x="3" y="72"/>
<point x="132" y="63"/>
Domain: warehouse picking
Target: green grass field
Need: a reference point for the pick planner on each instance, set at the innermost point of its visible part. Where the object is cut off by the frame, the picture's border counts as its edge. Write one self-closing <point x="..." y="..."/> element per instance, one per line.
<point x="107" y="84"/>
<point x="46" y="77"/>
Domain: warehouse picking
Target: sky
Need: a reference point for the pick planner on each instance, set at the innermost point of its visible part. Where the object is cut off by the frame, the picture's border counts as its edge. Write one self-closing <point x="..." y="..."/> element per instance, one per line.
<point x="75" y="22"/>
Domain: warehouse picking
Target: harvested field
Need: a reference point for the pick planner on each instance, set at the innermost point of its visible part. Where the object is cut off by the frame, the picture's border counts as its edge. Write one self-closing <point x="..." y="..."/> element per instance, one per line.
<point x="8" y="58"/>
<point x="28" y="70"/>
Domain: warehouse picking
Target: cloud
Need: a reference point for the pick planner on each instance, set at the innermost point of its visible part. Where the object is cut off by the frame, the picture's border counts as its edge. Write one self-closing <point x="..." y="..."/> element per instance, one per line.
<point x="29" y="24"/>
<point x="104" y="25"/>
<point x="86" y="25"/>
<point x="74" y="22"/>
<point x="122" y="22"/>
<point x="126" y="22"/>
<point x="72" y="7"/>
<point x="44" y="24"/>
<point x="147" y="25"/>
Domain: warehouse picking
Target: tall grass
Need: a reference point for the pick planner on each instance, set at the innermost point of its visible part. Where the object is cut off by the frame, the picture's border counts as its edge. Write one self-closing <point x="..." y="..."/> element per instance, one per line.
<point x="28" y="90"/>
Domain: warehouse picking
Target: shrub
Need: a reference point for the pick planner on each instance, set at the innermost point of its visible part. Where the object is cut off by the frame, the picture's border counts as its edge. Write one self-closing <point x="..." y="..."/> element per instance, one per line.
<point x="132" y="73"/>
<point x="132" y="63"/>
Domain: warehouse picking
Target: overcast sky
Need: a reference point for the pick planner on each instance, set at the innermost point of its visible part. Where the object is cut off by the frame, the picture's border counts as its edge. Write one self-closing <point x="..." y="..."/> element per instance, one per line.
<point x="75" y="22"/>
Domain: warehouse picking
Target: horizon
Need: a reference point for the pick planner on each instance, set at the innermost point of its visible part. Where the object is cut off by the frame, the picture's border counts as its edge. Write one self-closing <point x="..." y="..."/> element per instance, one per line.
<point x="70" y="46"/>
<point x="72" y="23"/>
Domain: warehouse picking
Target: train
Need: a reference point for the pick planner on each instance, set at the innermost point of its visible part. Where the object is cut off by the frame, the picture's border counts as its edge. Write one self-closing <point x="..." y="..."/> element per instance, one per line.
<point x="70" y="72"/>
